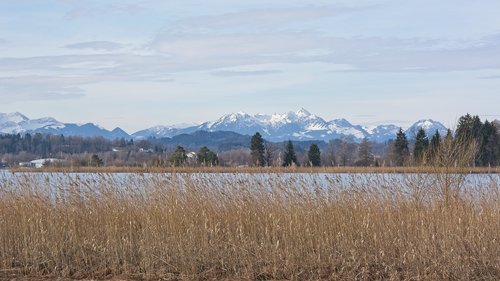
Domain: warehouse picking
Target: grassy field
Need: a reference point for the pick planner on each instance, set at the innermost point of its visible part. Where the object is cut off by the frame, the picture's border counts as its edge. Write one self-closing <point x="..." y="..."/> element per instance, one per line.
<point x="250" y="227"/>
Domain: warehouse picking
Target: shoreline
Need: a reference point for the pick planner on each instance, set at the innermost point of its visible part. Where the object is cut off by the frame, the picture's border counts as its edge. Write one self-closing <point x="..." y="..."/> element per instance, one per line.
<point x="265" y="170"/>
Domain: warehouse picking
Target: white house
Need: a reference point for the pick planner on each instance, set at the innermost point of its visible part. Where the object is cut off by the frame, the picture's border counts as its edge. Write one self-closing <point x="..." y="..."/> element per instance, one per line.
<point x="39" y="163"/>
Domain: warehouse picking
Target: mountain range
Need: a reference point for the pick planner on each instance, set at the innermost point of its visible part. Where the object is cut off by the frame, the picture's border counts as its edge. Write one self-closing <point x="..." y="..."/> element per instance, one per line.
<point x="17" y="123"/>
<point x="300" y="125"/>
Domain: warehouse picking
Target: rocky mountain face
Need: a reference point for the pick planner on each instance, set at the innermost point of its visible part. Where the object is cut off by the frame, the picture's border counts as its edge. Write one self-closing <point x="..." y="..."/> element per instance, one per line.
<point x="17" y="123"/>
<point x="298" y="126"/>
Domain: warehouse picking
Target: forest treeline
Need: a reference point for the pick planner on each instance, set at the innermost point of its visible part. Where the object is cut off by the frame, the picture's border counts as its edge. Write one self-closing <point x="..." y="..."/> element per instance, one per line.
<point x="480" y="138"/>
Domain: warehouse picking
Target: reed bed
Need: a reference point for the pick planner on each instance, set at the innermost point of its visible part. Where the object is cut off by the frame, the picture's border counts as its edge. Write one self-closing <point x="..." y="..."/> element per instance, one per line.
<point x="273" y="226"/>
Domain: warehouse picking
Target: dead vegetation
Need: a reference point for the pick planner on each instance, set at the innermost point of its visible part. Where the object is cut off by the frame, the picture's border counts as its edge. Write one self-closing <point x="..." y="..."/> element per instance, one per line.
<point x="250" y="226"/>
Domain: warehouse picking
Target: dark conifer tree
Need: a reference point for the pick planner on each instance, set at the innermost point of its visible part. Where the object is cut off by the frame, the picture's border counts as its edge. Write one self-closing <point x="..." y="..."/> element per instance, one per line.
<point x="206" y="157"/>
<point x="179" y="157"/>
<point x="468" y="129"/>
<point x="400" y="149"/>
<point x="434" y="145"/>
<point x="421" y="146"/>
<point x="314" y="155"/>
<point x="290" y="157"/>
<point x="258" y="150"/>
<point x="489" y="149"/>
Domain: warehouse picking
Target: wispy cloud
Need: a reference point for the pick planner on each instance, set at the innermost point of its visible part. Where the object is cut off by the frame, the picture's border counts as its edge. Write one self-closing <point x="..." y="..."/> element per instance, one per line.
<point x="283" y="35"/>
<point x="66" y="76"/>
<point x="410" y="55"/>
<point x="61" y="49"/>
<point x="96" y="45"/>
<point x="230" y="73"/>
<point x="490" y="77"/>
<point x="29" y="88"/>
<point x="89" y="11"/>
<point x="195" y="45"/>
<point x="214" y="53"/>
<point x="270" y="18"/>
<point x="364" y="54"/>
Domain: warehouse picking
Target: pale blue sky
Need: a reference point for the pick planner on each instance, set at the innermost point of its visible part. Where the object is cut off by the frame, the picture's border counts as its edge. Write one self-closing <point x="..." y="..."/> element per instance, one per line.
<point x="136" y="64"/>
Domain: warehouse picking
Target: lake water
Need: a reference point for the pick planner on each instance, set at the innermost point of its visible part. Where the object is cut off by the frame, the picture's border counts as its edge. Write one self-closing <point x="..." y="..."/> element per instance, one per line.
<point x="321" y="182"/>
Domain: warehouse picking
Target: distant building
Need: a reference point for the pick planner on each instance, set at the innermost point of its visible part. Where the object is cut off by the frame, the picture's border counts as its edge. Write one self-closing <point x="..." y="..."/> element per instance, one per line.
<point x="39" y="163"/>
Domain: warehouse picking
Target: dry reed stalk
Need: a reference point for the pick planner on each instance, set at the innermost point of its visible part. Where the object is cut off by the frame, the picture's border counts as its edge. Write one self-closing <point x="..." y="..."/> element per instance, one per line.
<point x="251" y="227"/>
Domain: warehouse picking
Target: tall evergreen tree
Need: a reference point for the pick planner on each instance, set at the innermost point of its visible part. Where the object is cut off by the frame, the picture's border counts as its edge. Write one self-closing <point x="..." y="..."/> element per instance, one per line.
<point x="179" y="157"/>
<point x="400" y="149"/>
<point x="314" y="155"/>
<point x="469" y="128"/>
<point x="257" y="150"/>
<point x="290" y="157"/>
<point x="206" y="157"/>
<point x="365" y="155"/>
<point x="434" y="145"/>
<point x="489" y="149"/>
<point x="421" y="146"/>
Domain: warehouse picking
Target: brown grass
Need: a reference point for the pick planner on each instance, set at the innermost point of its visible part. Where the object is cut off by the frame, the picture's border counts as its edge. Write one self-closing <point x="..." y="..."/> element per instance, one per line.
<point x="249" y="227"/>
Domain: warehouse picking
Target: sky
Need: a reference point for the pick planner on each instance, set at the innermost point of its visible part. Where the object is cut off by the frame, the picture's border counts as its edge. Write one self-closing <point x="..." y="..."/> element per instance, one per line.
<point x="137" y="64"/>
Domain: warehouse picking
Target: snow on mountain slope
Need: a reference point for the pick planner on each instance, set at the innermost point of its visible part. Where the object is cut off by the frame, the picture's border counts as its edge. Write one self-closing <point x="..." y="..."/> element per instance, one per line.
<point x="382" y="133"/>
<point x="12" y="117"/>
<point x="17" y="123"/>
<point x="10" y="123"/>
<point x="85" y="130"/>
<point x="430" y="127"/>
<point x="343" y="128"/>
<point x="299" y="125"/>
<point x="47" y="122"/>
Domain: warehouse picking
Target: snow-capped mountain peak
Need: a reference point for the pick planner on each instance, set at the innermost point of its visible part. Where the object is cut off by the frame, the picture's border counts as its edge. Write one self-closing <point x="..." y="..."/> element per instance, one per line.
<point x="302" y="113"/>
<point x="430" y="127"/>
<point x="382" y="133"/>
<point x="15" y="117"/>
<point x="293" y="125"/>
<point x="425" y="123"/>
<point x="341" y="122"/>
<point x="235" y="117"/>
<point x="17" y="123"/>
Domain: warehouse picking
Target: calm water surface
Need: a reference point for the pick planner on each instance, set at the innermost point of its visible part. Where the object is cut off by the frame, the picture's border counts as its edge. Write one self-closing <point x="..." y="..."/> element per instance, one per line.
<point x="235" y="180"/>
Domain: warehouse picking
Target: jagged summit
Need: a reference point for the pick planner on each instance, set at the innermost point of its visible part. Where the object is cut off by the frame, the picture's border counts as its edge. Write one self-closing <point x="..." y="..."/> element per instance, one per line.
<point x="293" y="125"/>
<point x="430" y="127"/>
<point x="17" y="123"/>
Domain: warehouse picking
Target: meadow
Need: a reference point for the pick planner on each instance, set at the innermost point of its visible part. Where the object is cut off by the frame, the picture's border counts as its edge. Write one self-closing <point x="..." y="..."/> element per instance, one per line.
<point x="250" y="226"/>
